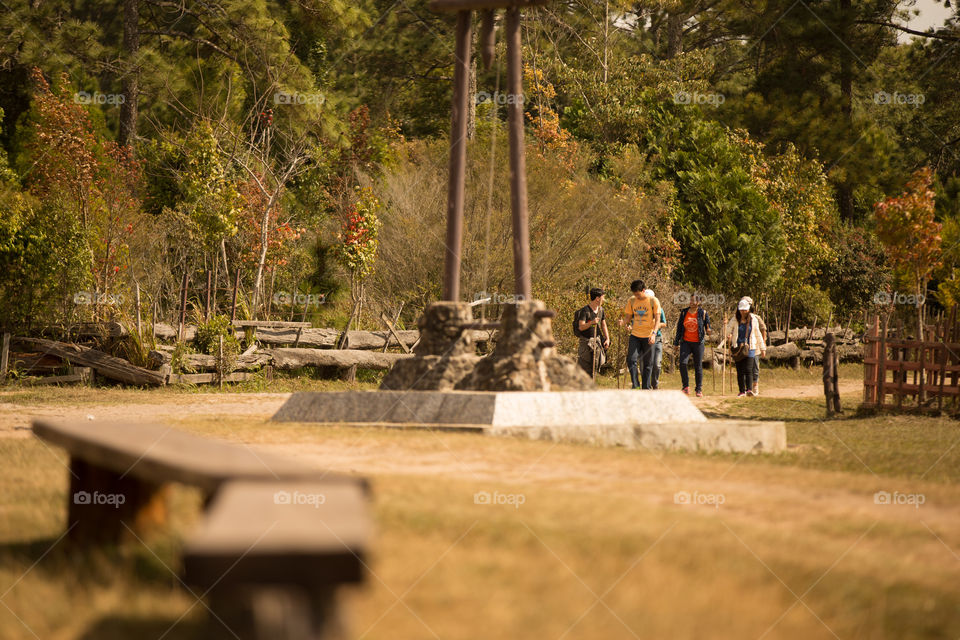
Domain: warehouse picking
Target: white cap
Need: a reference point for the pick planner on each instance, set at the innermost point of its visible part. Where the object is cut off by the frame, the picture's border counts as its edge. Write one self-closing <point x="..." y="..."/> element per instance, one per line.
<point x="743" y="305"/>
<point x="748" y="299"/>
<point x="648" y="293"/>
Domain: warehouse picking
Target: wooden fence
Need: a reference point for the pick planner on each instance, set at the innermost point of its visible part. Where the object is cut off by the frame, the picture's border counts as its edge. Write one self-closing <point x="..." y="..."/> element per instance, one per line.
<point x="916" y="374"/>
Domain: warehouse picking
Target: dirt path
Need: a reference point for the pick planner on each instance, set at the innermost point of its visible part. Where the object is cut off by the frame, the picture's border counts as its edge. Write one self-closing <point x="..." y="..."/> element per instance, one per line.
<point x="796" y="392"/>
<point x="15" y="418"/>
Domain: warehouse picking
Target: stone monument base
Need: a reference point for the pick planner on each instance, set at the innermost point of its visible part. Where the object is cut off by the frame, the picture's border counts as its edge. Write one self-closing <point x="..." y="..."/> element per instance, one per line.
<point x="628" y="418"/>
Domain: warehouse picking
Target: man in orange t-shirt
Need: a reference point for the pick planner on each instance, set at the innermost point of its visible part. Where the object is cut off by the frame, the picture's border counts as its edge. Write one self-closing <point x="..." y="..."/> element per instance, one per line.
<point x="642" y="315"/>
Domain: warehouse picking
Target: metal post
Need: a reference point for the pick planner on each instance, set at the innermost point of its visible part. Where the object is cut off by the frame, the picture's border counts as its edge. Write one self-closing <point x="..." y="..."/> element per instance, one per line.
<point x="233" y="307"/>
<point x="183" y="307"/>
<point x="518" y="167"/>
<point x="206" y="309"/>
<point x="458" y="159"/>
<point x="139" y="324"/>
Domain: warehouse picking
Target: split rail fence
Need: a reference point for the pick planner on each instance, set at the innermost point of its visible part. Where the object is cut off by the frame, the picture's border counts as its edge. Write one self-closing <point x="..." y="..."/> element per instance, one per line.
<point x="902" y="372"/>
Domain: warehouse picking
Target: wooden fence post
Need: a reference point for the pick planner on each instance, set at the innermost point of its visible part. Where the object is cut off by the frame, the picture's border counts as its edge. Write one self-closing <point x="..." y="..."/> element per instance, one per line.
<point x="4" y="356"/>
<point x="831" y="390"/>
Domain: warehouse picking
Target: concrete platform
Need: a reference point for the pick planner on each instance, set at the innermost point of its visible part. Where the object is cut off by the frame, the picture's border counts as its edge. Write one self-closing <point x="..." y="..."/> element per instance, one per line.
<point x="627" y="418"/>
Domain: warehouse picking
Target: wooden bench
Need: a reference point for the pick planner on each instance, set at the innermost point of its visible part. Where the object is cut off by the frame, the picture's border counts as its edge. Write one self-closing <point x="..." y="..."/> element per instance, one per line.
<point x="270" y="556"/>
<point x="119" y="472"/>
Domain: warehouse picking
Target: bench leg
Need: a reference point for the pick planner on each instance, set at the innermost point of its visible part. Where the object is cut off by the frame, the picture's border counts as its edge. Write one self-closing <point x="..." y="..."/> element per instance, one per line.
<point x="101" y="502"/>
<point x="276" y="612"/>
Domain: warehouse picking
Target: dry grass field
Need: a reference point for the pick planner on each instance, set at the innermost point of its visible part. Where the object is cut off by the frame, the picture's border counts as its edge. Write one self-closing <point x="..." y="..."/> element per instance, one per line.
<point x="584" y="543"/>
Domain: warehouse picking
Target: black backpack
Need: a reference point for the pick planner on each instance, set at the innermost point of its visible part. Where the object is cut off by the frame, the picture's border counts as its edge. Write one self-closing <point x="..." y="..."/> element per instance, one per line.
<point x="576" y="325"/>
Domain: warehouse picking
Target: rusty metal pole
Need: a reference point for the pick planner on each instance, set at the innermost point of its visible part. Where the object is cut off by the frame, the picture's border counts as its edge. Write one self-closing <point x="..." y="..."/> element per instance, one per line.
<point x="183" y="307"/>
<point x="458" y="159"/>
<point x="518" y="165"/>
<point x="233" y="306"/>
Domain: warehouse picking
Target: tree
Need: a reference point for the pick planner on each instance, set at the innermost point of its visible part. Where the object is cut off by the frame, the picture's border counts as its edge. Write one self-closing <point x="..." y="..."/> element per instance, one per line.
<point x="907" y="228"/>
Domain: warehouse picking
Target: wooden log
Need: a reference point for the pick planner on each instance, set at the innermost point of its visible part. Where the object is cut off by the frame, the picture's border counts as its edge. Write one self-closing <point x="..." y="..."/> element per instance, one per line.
<point x="104" y="364"/>
<point x="88" y="329"/>
<point x="202" y="361"/>
<point x="393" y="332"/>
<point x="287" y="359"/>
<point x="207" y="378"/>
<point x="82" y="375"/>
<point x="164" y="331"/>
<point x="270" y="324"/>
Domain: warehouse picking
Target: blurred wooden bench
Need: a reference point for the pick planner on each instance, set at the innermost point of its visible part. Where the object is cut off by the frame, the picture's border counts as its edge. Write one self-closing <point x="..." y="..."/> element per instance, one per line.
<point x="271" y="556"/>
<point x="119" y="472"/>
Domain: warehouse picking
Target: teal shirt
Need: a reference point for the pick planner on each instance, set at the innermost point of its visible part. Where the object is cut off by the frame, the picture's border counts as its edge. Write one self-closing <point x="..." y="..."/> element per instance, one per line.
<point x="663" y="319"/>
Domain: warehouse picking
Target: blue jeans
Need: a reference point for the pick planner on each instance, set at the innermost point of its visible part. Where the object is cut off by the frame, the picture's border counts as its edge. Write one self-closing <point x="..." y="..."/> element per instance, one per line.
<point x="640" y="355"/>
<point x="694" y="349"/>
<point x="657" y="361"/>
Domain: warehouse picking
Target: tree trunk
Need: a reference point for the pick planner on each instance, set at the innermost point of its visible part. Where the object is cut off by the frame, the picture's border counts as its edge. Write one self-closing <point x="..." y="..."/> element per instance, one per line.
<point x="674" y="35"/>
<point x="131" y="79"/>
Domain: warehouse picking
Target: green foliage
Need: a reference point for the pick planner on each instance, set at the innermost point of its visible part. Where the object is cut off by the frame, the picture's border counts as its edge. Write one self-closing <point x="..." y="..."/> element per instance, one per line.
<point x="730" y="236"/>
<point x="358" y="237"/>
<point x="859" y="272"/>
<point x="811" y="304"/>
<point x="209" y="334"/>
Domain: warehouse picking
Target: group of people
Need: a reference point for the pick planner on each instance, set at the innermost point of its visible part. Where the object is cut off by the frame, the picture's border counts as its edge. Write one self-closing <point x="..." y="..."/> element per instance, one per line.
<point x="644" y="317"/>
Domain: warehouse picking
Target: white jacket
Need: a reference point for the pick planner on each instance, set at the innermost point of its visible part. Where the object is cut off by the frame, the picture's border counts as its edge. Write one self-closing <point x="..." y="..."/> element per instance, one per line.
<point x="756" y="341"/>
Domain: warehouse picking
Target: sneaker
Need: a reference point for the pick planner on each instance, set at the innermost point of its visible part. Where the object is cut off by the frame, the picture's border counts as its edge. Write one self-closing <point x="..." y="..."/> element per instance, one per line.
<point x="741" y="395"/>
<point x="756" y="390"/>
<point x="686" y="390"/>
<point x="699" y="394"/>
<point x="750" y="393"/>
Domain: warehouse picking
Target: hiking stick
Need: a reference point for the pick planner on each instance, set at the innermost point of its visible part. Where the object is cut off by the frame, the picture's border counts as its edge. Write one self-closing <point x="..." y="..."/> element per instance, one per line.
<point x="595" y="354"/>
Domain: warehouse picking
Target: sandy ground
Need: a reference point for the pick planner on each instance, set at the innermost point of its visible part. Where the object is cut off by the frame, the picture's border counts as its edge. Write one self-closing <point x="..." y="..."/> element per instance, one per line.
<point x="15" y="418"/>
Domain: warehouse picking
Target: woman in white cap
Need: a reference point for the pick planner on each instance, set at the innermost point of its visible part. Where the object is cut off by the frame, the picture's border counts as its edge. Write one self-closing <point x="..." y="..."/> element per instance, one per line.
<point x="746" y="340"/>
<point x="763" y="330"/>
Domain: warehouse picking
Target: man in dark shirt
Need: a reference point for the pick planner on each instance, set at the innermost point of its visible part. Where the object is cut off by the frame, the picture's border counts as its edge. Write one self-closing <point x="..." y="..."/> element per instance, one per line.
<point x="591" y="329"/>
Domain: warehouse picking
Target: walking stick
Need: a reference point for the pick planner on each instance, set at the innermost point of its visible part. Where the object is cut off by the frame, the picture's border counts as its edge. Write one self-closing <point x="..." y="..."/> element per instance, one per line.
<point x="618" y="360"/>
<point x="595" y="354"/>
<point x="723" y="368"/>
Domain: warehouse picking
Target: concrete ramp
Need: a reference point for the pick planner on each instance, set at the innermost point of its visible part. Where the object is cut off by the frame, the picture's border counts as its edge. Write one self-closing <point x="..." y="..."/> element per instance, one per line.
<point x="627" y="418"/>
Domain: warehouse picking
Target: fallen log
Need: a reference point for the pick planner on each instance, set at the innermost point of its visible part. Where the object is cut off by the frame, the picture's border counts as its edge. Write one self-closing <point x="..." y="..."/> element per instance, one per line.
<point x="165" y="331"/>
<point x="287" y="359"/>
<point x="202" y="361"/>
<point x="88" y="330"/>
<point x="104" y="364"/>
